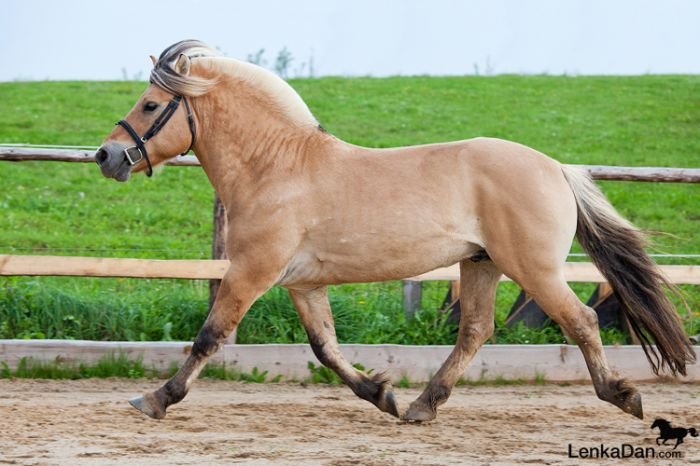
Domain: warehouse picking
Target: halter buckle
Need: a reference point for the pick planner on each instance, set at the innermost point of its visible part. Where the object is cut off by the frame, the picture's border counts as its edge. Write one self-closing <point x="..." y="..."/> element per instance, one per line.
<point x="129" y="158"/>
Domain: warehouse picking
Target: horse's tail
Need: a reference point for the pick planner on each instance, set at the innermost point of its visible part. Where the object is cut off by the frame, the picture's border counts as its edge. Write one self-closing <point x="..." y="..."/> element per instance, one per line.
<point x="616" y="247"/>
<point x="693" y="432"/>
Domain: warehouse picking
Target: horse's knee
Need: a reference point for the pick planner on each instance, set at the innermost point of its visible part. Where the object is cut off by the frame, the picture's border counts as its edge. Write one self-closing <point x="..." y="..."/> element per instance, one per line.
<point x="207" y="341"/>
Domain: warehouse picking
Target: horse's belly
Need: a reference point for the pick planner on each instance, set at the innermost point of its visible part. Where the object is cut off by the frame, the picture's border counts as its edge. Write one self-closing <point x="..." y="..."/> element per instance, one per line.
<point x="369" y="261"/>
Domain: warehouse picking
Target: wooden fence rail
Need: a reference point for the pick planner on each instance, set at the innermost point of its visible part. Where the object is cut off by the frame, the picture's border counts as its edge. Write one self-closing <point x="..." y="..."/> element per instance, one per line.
<point x="15" y="265"/>
<point x="598" y="172"/>
<point x="38" y="154"/>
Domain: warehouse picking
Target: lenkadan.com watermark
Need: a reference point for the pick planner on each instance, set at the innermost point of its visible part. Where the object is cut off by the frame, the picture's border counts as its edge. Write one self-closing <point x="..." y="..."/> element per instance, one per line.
<point x="667" y="442"/>
<point x="624" y="450"/>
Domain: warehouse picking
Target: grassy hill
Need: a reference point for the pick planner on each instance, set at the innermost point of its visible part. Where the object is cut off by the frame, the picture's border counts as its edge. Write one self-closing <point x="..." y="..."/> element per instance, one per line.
<point x="54" y="208"/>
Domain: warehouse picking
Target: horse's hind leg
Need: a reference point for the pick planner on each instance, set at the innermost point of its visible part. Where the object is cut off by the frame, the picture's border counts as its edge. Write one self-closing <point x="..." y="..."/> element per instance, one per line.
<point x="554" y="296"/>
<point x="478" y="283"/>
<point x="315" y="314"/>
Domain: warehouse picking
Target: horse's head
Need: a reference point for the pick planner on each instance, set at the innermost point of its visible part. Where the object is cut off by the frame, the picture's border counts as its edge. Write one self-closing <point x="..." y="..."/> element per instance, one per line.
<point x="660" y="423"/>
<point x="161" y="125"/>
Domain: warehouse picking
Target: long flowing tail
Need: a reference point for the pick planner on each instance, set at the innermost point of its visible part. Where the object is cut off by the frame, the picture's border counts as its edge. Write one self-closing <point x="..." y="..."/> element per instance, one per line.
<point x="616" y="247"/>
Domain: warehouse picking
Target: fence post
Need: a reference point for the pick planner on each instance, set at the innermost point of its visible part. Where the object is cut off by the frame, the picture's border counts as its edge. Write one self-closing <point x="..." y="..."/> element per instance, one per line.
<point x="412" y="294"/>
<point x="218" y="251"/>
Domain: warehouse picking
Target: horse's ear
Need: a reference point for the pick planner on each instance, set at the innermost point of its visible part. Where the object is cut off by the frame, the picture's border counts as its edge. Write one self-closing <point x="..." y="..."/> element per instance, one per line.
<point x="182" y="65"/>
<point x="154" y="60"/>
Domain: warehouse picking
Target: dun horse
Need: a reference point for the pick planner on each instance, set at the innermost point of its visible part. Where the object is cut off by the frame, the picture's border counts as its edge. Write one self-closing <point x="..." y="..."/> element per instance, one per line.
<point x="307" y="210"/>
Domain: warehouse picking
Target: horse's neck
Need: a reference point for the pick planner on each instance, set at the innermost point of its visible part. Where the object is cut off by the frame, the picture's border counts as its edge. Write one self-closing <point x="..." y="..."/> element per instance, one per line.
<point x="239" y="158"/>
<point x="255" y="128"/>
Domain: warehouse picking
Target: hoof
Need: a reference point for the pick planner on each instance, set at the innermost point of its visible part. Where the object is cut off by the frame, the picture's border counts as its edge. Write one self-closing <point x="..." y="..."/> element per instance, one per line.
<point x="419" y="411"/>
<point x="623" y="395"/>
<point x="633" y="405"/>
<point x="377" y="390"/>
<point x="148" y="405"/>
<point x="387" y="402"/>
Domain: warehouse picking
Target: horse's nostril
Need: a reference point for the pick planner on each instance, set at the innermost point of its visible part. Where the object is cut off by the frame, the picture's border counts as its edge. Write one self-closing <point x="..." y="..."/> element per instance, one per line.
<point x="100" y="156"/>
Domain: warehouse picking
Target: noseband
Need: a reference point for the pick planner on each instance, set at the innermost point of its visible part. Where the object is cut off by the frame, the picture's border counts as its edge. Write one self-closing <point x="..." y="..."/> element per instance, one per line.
<point x="135" y="154"/>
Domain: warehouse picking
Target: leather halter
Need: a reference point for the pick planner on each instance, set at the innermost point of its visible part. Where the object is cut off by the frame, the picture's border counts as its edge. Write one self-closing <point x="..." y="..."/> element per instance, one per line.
<point x="135" y="154"/>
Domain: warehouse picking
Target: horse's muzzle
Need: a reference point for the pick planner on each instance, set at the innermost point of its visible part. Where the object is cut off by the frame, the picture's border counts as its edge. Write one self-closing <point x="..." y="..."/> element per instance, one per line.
<point x="110" y="158"/>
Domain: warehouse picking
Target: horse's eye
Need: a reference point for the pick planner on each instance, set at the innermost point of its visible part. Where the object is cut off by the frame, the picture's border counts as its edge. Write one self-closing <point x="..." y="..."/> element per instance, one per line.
<point x="150" y="106"/>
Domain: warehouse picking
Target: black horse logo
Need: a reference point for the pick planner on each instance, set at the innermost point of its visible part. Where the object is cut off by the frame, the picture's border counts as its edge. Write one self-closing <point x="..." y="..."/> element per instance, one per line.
<point x="666" y="432"/>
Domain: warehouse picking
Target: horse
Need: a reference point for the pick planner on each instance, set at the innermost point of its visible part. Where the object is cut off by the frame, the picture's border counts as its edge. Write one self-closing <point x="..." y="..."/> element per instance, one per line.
<point x="666" y="432"/>
<point x="307" y="210"/>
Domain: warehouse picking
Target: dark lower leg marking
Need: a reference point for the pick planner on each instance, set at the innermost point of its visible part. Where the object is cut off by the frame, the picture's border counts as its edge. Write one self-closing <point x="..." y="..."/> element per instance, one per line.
<point x="174" y="390"/>
<point x="376" y="390"/>
<point x="207" y="342"/>
<point x="317" y="347"/>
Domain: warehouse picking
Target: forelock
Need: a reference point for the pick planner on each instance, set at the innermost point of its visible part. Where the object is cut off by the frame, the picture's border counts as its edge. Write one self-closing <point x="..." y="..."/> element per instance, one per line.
<point x="164" y="75"/>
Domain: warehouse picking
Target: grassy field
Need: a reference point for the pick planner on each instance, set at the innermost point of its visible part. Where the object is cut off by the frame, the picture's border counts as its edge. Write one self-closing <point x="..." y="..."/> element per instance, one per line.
<point x="69" y="209"/>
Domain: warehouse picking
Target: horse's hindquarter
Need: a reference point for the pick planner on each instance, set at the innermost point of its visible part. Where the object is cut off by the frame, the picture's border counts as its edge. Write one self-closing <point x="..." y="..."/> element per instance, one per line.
<point x="377" y="215"/>
<point x="527" y="207"/>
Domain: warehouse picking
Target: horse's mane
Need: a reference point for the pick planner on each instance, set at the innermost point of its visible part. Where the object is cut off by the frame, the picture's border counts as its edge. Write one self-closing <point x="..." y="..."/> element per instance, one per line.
<point x="165" y="76"/>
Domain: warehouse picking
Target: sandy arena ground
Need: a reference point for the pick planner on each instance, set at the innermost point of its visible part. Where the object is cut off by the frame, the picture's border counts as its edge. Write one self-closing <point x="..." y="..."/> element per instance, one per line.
<point x="89" y="422"/>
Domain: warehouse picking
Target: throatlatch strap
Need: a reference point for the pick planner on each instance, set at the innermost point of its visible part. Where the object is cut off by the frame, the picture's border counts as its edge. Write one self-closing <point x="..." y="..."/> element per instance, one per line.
<point x="193" y="128"/>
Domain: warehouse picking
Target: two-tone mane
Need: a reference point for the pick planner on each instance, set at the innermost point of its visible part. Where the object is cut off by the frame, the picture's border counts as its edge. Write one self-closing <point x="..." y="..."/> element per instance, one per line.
<point x="222" y="68"/>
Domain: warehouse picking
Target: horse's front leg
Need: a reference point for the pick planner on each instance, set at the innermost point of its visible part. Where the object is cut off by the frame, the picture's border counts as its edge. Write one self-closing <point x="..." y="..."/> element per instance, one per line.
<point x="239" y="288"/>
<point x="478" y="282"/>
<point x="315" y="314"/>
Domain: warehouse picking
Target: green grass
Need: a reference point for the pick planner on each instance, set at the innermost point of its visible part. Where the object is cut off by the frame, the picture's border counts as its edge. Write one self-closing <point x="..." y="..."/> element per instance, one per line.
<point x="70" y="209"/>
<point x="120" y="365"/>
<point x="112" y="365"/>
